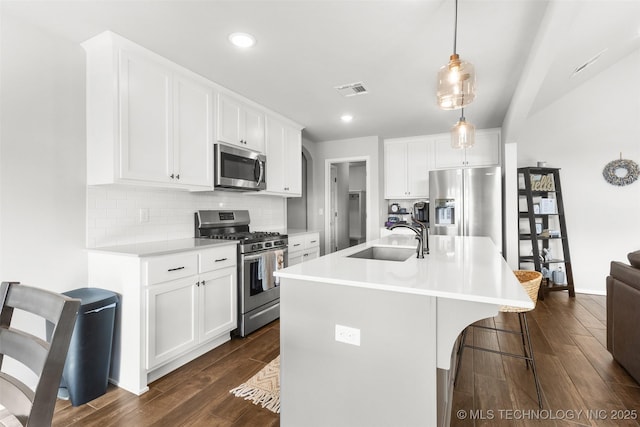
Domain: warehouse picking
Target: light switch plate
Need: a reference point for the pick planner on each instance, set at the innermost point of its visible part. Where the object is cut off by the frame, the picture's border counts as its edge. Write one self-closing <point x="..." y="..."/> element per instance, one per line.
<point x="348" y="335"/>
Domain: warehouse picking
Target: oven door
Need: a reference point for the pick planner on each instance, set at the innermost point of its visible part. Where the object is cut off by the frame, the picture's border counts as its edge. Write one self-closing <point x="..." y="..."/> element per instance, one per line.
<point x="259" y="287"/>
<point x="239" y="169"/>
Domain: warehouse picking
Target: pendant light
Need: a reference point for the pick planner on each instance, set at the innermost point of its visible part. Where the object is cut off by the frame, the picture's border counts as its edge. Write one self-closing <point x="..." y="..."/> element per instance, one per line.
<point x="463" y="133"/>
<point x="457" y="79"/>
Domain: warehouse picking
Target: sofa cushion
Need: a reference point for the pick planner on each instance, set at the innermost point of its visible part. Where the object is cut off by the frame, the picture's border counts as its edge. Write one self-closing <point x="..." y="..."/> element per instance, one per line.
<point x="634" y="259"/>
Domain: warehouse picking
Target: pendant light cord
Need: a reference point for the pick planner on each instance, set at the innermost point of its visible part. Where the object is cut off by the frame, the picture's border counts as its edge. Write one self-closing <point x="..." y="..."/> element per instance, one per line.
<point x="455" y="28"/>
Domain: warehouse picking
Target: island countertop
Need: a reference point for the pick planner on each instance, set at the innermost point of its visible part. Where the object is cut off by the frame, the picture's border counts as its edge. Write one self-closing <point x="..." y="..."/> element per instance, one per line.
<point x="457" y="267"/>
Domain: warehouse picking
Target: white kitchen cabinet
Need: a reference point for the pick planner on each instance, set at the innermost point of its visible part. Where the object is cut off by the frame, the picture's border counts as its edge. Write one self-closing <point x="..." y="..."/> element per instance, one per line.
<point x="217" y="303"/>
<point x="186" y="312"/>
<point x="485" y="151"/>
<point x="193" y="132"/>
<point x="303" y="247"/>
<point x="149" y="121"/>
<point x="407" y="162"/>
<point x="284" y="158"/>
<point x="240" y="124"/>
<point x="171" y="314"/>
<point x="174" y="307"/>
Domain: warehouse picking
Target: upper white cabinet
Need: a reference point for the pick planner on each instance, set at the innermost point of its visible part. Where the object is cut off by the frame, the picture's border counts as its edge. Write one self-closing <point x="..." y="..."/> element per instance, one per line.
<point x="485" y="151"/>
<point x="239" y="124"/>
<point x="149" y="121"/>
<point x="284" y="158"/>
<point x="407" y="162"/>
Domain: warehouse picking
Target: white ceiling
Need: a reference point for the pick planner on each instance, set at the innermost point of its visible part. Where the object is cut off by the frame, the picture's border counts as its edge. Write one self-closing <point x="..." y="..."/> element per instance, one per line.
<point x="305" y="48"/>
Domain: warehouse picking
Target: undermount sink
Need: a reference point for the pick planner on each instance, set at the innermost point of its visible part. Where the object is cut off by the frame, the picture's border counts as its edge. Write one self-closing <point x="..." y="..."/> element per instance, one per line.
<point x="384" y="253"/>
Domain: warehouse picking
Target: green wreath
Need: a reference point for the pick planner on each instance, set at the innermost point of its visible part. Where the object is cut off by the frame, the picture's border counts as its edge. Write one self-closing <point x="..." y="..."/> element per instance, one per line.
<point x="610" y="175"/>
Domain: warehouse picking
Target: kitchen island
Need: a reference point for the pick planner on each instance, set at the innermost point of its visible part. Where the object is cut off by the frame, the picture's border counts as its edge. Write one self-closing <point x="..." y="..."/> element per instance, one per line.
<point x="370" y="342"/>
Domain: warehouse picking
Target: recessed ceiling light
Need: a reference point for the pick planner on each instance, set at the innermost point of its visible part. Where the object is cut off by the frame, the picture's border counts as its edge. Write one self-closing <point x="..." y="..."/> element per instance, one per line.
<point x="346" y="118"/>
<point x="243" y="40"/>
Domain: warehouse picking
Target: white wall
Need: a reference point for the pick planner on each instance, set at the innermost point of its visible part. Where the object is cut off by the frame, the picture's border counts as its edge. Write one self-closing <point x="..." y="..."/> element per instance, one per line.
<point x="43" y="158"/>
<point x="359" y="148"/>
<point x="581" y="133"/>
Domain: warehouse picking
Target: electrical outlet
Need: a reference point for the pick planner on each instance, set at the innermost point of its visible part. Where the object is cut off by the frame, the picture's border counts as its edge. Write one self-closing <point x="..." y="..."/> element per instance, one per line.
<point x="348" y="335"/>
<point x="143" y="215"/>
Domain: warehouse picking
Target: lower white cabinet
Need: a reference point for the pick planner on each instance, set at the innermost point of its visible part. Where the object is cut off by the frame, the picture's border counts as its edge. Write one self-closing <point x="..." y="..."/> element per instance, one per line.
<point x="184" y="313"/>
<point x="171" y="314"/>
<point x="303" y="247"/>
<point x="173" y="308"/>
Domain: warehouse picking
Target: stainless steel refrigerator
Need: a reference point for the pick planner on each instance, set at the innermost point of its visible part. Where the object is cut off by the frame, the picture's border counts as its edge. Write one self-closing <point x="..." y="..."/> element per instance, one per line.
<point x="466" y="202"/>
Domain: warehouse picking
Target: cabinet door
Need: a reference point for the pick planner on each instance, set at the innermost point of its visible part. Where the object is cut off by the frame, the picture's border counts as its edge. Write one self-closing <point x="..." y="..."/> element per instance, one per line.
<point x="295" y="258"/>
<point x="310" y="254"/>
<point x="252" y="122"/>
<point x="395" y="171"/>
<point x="275" y="156"/>
<point x="192" y="133"/>
<point x="218" y="303"/>
<point x="445" y="155"/>
<point x="293" y="161"/>
<point x="145" y="119"/>
<point x="419" y="157"/>
<point x="171" y="320"/>
<point x="228" y="129"/>
<point x="485" y="151"/>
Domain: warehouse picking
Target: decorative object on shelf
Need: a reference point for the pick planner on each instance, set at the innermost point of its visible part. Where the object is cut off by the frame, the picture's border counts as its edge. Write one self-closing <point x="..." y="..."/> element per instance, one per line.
<point x="542" y="164"/>
<point x="542" y="183"/>
<point x="457" y="79"/>
<point x="463" y="133"/>
<point x="548" y="206"/>
<point x="621" y="172"/>
<point x="394" y="207"/>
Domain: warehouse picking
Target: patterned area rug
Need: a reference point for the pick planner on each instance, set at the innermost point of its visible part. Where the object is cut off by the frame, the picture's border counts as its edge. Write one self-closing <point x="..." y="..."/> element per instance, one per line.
<point x="263" y="388"/>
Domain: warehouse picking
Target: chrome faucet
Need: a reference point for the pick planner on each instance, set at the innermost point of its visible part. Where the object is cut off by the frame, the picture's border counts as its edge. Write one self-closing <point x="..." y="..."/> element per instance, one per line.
<point x="422" y="236"/>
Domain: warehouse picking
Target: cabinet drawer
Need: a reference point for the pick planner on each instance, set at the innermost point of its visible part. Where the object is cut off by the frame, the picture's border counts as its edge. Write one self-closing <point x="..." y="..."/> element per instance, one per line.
<point x="296" y="243"/>
<point x="213" y="259"/>
<point x="170" y="267"/>
<point x="311" y="240"/>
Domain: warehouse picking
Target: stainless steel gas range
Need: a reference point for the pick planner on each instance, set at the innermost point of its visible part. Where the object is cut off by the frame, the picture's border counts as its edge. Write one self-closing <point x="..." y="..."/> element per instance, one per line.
<point x="259" y="255"/>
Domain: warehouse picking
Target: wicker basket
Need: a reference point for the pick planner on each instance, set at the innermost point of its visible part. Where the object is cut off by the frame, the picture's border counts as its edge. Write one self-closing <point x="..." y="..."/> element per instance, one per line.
<point x="530" y="281"/>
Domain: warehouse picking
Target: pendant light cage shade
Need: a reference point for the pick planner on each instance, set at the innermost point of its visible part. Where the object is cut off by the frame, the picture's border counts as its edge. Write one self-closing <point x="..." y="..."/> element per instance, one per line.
<point x="456" y="84"/>
<point x="463" y="134"/>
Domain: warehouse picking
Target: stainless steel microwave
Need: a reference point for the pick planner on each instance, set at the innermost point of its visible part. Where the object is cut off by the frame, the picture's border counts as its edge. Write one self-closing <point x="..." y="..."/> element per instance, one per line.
<point x="239" y="169"/>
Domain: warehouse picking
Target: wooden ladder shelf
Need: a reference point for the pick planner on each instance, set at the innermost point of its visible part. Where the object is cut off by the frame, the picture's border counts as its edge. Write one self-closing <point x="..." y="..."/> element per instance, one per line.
<point x="548" y="248"/>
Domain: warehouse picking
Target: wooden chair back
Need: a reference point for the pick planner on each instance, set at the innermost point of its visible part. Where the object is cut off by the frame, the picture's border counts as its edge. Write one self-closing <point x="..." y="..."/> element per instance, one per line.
<point x="34" y="407"/>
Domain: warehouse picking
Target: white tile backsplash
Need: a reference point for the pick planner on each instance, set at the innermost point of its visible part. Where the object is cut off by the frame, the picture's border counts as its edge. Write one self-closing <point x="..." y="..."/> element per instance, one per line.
<point x="113" y="213"/>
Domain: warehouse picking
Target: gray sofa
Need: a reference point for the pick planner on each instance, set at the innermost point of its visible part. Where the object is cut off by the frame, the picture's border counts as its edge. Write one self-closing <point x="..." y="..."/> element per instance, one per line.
<point x="623" y="313"/>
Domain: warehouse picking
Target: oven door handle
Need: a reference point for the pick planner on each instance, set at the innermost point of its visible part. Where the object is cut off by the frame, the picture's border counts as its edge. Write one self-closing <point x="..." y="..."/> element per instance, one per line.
<point x="258" y="255"/>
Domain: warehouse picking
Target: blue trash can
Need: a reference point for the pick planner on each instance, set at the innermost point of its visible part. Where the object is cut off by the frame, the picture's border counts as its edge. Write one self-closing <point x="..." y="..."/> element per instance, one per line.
<point x="86" y="370"/>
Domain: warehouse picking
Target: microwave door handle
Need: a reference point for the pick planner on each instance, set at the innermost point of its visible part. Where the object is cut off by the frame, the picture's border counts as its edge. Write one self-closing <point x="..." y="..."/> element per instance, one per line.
<point x="260" y="164"/>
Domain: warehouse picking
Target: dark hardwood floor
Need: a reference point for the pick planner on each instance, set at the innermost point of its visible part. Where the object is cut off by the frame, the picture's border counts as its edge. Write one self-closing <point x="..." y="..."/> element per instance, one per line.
<point x="581" y="384"/>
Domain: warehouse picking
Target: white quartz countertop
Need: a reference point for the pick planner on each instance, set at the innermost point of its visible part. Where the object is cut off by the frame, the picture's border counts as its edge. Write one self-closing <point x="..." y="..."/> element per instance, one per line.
<point x="463" y="268"/>
<point x="164" y="247"/>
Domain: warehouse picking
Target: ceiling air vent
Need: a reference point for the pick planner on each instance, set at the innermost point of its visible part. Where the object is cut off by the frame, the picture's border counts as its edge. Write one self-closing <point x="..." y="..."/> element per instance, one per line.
<point x="352" y="89"/>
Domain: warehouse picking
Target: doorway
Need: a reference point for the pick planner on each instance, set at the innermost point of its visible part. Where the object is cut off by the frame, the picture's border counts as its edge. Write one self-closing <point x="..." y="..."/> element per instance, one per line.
<point x="346" y="202"/>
